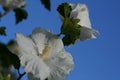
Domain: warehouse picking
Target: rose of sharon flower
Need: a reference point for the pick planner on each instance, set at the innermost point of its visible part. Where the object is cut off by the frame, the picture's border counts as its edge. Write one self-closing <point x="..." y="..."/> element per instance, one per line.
<point x="80" y="11"/>
<point x="12" y="4"/>
<point x="43" y="56"/>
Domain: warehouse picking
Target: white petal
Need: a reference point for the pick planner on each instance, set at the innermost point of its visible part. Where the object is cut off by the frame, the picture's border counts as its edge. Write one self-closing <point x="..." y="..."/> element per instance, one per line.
<point x="47" y="33"/>
<point x="12" y="4"/>
<point x="60" y="65"/>
<point x="25" y="44"/>
<point x="35" y="67"/>
<point x="56" y="45"/>
<point x="40" y="41"/>
<point x="87" y="33"/>
<point x="80" y="11"/>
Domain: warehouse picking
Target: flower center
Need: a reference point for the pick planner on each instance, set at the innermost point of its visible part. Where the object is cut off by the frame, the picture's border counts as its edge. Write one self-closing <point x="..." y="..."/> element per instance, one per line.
<point x="45" y="52"/>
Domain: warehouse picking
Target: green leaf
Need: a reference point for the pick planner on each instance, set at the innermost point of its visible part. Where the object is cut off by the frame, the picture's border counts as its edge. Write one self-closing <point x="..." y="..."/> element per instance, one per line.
<point x="20" y="14"/>
<point x="8" y="58"/>
<point x="2" y="31"/>
<point x="1" y="76"/>
<point x="4" y="77"/>
<point x="46" y="3"/>
<point x="64" y="9"/>
<point x="71" y="31"/>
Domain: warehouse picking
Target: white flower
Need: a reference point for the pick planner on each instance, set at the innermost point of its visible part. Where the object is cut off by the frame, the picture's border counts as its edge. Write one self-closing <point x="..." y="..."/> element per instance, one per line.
<point x="80" y="11"/>
<point x="12" y="4"/>
<point x="42" y="55"/>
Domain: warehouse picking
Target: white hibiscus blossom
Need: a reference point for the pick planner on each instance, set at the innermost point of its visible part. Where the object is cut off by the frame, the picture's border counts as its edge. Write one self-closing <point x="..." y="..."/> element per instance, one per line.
<point x="12" y="4"/>
<point x="80" y="11"/>
<point x="43" y="56"/>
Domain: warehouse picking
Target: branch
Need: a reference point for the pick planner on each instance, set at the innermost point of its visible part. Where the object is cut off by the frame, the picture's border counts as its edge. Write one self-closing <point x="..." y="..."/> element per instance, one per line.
<point x="21" y="75"/>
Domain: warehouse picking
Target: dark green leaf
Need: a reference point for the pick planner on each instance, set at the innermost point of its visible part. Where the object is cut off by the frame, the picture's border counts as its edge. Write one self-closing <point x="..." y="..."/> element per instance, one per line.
<point x="2" y="31"/>
<point x="20" y="14"/>
<point x="64" y="9"/>
<point x="11" y="42"/>
<point x="71" y="30"/>
<point x="15" y="61"/>
<point x="5" y="8"/>
<point x="7" y="58"/>
<point x="67" y="40"/>
<point x="46" y="3"/>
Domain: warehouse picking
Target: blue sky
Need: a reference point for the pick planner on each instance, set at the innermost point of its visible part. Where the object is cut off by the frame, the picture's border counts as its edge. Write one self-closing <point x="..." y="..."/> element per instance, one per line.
<point x="97" y="59"/>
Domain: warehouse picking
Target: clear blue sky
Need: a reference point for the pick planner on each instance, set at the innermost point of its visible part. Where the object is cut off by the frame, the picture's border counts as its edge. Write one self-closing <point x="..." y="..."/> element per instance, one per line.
<point x="97" y="59"/>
